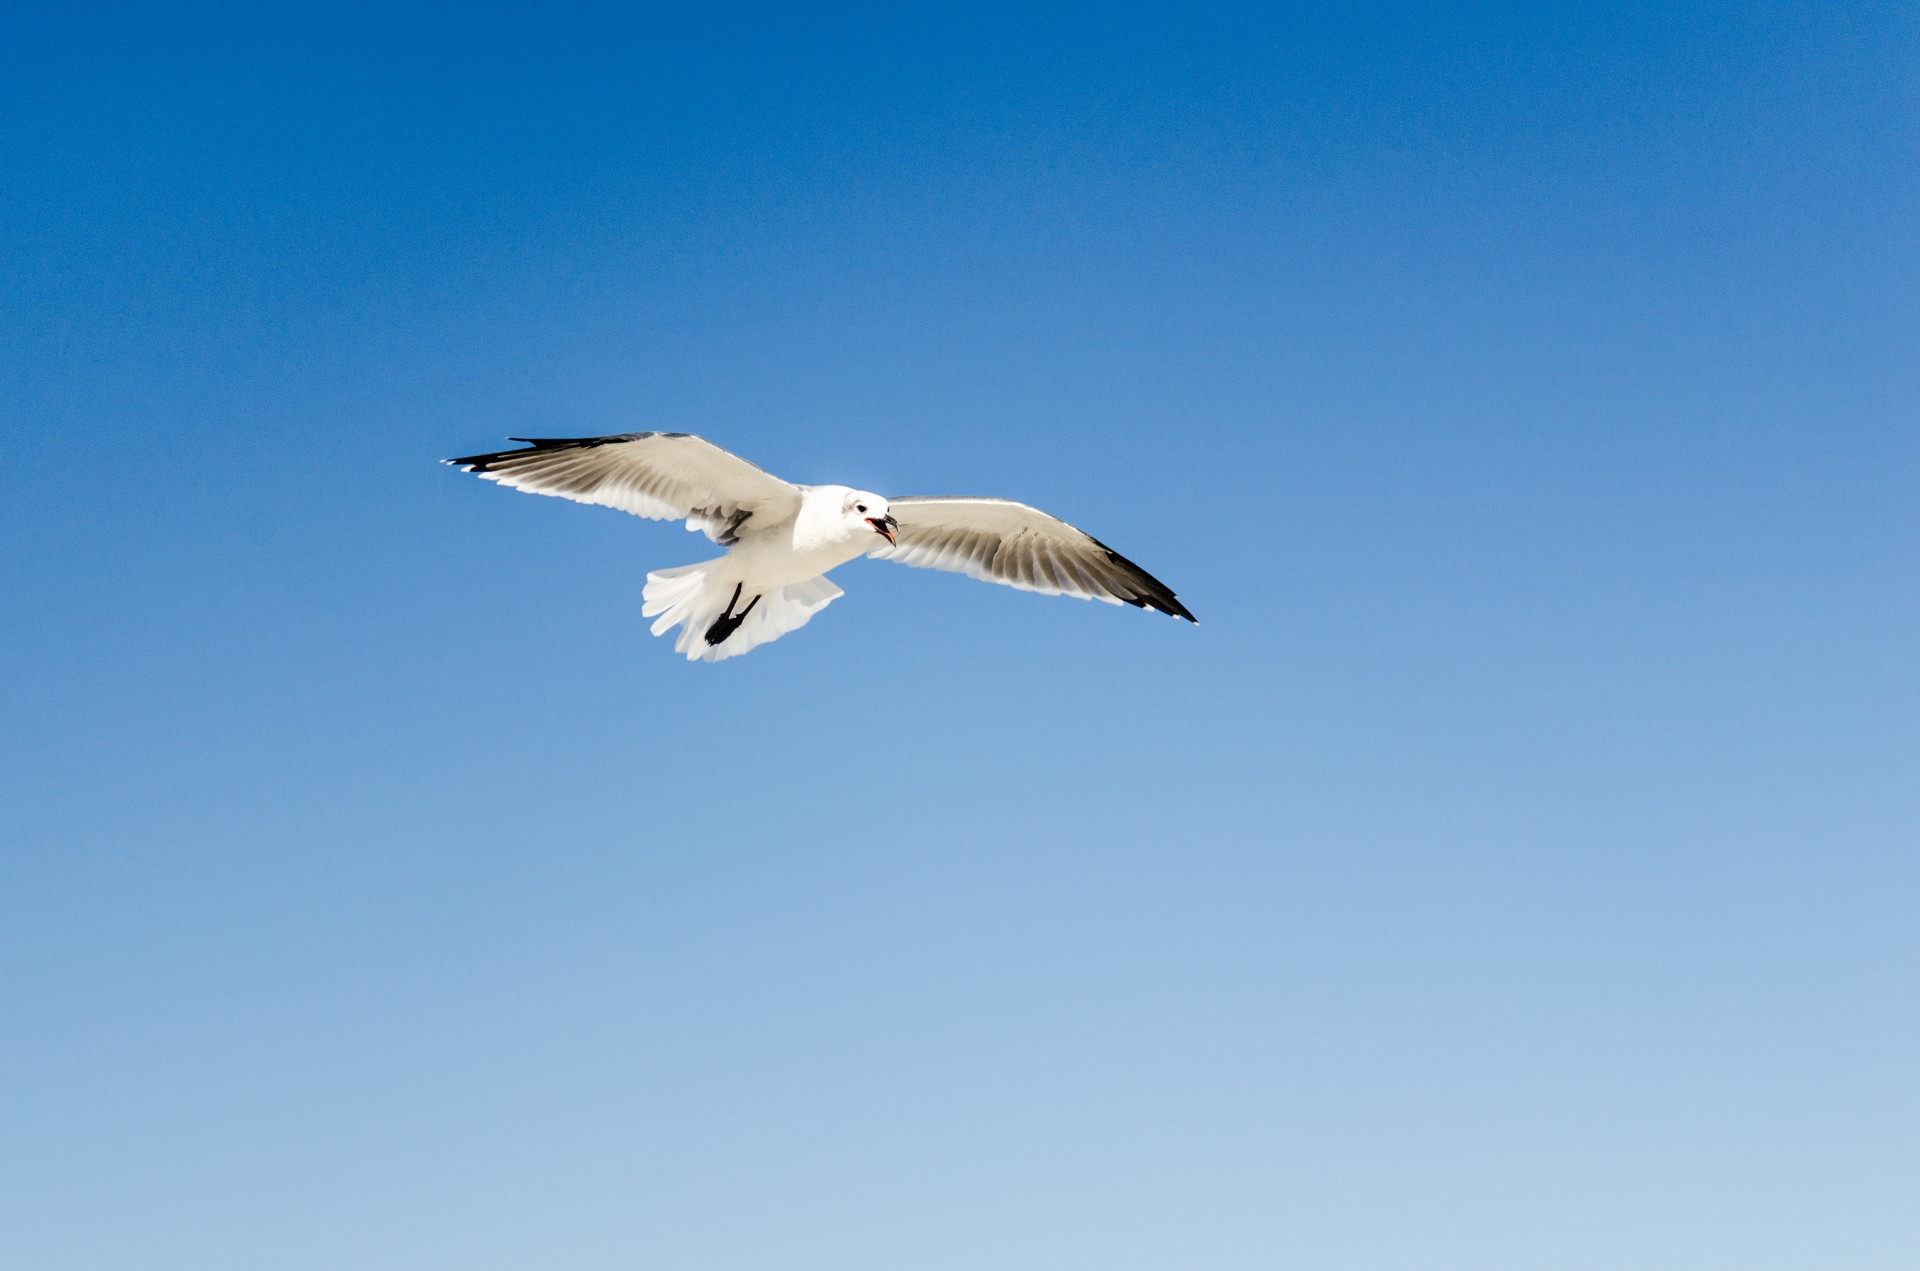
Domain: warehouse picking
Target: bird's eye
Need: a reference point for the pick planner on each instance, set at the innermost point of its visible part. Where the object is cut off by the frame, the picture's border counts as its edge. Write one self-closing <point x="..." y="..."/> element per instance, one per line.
<point x="863" y="507"/>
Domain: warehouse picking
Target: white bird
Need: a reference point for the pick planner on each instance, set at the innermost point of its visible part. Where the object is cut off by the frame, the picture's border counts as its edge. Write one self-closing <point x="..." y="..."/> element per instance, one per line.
<point x="782" y="539"/>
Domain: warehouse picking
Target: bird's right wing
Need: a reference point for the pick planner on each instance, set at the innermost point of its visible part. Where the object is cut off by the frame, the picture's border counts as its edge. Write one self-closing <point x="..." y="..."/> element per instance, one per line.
<point x="665" y="476"/>
<point x="999" y="541"/>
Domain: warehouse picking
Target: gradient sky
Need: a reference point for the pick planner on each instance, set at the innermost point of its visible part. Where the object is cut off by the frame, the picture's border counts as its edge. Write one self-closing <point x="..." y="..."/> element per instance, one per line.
<point x="1516" y="869"/>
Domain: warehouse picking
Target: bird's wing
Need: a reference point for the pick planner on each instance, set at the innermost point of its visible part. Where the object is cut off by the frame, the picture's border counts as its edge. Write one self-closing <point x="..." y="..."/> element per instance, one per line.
<point x="999" y="541"/>
<point x="662" y="475"/>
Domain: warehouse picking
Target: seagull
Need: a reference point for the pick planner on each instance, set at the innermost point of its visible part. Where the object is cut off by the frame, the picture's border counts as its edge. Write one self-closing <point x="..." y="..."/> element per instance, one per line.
<point x="782" y="539"/>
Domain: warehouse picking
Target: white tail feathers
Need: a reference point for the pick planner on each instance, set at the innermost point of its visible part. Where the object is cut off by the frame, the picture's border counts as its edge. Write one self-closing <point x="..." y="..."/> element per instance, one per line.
<point x="718" y="618"/>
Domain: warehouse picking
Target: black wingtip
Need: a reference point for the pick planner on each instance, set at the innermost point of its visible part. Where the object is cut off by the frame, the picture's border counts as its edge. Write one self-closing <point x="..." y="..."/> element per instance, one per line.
<point x="1150" y="592"/>
<point x="1163" y="604"/>
<point x="535" y="445"/>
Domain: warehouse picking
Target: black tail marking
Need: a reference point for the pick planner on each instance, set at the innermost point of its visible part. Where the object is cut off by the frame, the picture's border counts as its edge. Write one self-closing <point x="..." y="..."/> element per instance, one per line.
<point x="729" y="621"/>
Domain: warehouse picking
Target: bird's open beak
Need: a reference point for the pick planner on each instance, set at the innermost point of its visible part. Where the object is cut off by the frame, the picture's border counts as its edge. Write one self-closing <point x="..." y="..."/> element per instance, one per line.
<point x="885" y="525"/>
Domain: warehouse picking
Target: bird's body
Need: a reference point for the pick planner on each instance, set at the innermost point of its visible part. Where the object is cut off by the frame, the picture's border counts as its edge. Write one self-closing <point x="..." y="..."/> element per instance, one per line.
<point x="782" y="539"/>
<point x="809" y="543"/>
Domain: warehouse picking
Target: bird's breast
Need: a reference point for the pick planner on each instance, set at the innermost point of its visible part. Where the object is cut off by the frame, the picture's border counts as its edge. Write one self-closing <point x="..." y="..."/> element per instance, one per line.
<point x="790" y="558"/>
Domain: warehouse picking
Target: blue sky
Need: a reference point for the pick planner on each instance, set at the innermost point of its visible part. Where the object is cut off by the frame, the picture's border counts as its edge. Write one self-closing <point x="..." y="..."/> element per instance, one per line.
<point x="1515" y="869"/>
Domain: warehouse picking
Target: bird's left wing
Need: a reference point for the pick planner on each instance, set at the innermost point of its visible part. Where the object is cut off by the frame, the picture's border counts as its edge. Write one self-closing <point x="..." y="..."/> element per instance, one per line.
<point x="999" y="541"/>
<point x="664" y="476"/>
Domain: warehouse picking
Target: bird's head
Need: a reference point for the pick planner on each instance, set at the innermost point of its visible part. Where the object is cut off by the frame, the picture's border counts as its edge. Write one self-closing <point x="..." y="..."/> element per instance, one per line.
<point x="869" y="511"/>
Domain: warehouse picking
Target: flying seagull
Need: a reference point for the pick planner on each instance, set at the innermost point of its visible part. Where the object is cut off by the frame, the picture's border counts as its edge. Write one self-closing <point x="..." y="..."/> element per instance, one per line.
<point x="781" y="538"/>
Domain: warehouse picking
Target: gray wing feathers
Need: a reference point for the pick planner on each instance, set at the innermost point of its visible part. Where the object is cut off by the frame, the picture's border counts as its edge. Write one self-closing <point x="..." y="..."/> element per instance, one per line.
<point x="665" y="476"/>
<point x="999" y="541"/>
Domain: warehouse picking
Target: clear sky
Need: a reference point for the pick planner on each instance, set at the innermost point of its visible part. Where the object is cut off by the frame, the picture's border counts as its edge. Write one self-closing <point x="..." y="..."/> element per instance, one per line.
<point x="1516" y="869"/>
